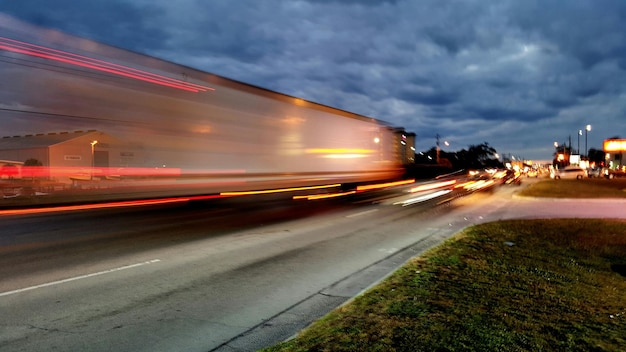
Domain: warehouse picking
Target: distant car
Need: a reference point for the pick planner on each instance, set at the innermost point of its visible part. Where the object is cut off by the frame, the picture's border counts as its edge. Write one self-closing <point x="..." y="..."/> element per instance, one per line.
<point x="574" y="172"/>
<point x="613" y="173"/>
<point x="532" y="173"/>
<point x="594" y="172"/>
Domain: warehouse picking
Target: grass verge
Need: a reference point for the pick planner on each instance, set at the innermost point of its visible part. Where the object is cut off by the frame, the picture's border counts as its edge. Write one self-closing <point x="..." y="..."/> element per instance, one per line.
<point x="586" y="188"/>
<point x="520" y="285"/>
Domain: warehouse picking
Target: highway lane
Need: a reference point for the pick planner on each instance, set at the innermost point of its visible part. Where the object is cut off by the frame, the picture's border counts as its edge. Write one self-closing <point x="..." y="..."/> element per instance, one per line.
<point x="178" y="277"/>
<point x="209" y="277"/>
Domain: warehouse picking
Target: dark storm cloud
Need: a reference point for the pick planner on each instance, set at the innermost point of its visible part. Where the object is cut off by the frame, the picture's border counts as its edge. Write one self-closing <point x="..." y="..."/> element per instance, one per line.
<point x="588" y="30"/>
<point x="513" y="73"/>
<point x="115" y="22"/>
<point x="429" y="94"/>
<point x="356" y="2"/>
<point x="498" y="113"/>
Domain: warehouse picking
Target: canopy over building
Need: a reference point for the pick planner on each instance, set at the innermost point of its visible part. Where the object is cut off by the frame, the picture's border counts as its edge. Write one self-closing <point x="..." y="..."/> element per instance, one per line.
<point x="614" y="150"/>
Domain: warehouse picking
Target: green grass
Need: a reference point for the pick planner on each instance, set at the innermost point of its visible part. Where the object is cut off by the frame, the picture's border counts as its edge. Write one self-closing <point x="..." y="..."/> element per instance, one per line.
<point x="531" y="285"/>
<point x="586" y="188"/>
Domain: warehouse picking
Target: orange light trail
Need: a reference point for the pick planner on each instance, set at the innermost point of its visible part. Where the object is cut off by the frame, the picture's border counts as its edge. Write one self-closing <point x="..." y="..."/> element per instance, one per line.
<point x="130" y="203"/>
<point x="92" y="63"/>
<point x="324" y="196"/>
<point x="145" y="202"/>
<point x="384" y="185"/>
<point x="278" y="190"/>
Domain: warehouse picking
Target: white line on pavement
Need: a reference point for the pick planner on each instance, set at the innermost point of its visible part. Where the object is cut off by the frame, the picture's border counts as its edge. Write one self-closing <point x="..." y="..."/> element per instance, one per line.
<point x="361" y="213"/>
<point x="78" y="277"/>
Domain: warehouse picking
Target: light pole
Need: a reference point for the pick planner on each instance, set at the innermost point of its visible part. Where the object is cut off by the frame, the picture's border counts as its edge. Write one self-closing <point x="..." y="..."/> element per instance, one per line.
<point x="438" y="149"/>
<point x="556" y="146"/>
<point x="580" y="133"/>
<point x="558" y="156"/>
<point x="587" y="129"/>
<point x="93" y="145"/>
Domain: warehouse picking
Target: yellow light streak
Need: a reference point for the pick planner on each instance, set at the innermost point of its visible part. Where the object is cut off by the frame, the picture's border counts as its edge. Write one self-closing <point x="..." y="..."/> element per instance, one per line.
<point x="324" y="196"/>
<point x="338" y="151"/>
<point x="278" y="190"/>
<point x="383" y="185"/>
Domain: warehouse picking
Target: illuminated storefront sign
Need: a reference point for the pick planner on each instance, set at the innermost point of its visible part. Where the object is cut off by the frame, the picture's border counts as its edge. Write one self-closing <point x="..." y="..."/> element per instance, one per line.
<point x="615" y="145"/>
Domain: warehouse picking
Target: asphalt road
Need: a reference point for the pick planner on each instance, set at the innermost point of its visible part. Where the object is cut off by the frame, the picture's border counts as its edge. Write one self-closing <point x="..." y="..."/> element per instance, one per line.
<point x="218" y="276"/>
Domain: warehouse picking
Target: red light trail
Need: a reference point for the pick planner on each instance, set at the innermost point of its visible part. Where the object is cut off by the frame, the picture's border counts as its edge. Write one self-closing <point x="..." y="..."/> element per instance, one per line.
<point x="95" y="64"/>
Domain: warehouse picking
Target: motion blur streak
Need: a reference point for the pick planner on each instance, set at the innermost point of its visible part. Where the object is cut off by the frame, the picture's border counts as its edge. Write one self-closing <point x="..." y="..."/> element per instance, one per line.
<point x="131" y="203"/>
<point x="154" y="141"/>
<point x="479" y="185"/>
<point x="338" y="151"/>
<point x="341" y="153"/>
<point x="92" y="206"/>
<point x="423" y="198"/>
<point x="359" y="189"/>
<point x="384" y="185"/>
<point x="278" y="190"/>
<point x="475" y="185"/>
<point x="324" y="196"/>
<point x="83" y="61"/>
<point x="75" y="171"/>
<point x="431" y="186"/>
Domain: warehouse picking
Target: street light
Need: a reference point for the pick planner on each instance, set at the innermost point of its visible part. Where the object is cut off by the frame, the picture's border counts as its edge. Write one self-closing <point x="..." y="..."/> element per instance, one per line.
<point x="580" y="133"/>
<point x="560" y="157"/>
<point x="587" y="129"/>
<point x="93" y="145"/>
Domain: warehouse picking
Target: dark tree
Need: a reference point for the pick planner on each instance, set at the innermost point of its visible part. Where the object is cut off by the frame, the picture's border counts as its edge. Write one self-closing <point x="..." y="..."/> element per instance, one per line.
<point x="596" y="155"/>
<point x="32" y="162"/>
<point x="482" y="153"/>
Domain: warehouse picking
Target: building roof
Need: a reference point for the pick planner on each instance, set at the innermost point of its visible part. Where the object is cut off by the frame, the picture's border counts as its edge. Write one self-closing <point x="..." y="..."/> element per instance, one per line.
<point x="40" y="140"/>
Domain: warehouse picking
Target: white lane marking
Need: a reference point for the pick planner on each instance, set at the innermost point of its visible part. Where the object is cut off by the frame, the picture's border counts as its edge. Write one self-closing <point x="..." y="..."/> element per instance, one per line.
<point x="78" y="277"/>
<point x="423" y="198"/>
<point x="361" y="213"/>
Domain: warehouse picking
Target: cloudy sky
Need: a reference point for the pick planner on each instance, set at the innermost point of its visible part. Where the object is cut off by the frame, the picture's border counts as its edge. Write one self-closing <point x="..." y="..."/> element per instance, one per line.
<point x="518" y="75"/>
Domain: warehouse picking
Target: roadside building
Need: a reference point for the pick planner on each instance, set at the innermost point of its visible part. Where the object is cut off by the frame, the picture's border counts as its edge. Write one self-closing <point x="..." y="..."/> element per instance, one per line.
<point x="404" y="145"/>
<point x="614" y="154"/>
<point x="64" y="155"/>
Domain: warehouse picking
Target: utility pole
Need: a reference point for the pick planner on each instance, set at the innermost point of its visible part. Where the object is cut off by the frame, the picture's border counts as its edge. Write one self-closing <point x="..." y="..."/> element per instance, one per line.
<point x="580" y="133"/>
<point x="570" y="144"/>
<point x="438" y="149"/>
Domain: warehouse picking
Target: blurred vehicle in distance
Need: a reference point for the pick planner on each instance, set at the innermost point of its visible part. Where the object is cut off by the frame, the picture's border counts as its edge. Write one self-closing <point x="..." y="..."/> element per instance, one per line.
<point x="532" y="173"/>
<point x="594" y="172"/>
<point x="613" y="173"/>
<point x="513" y="177"/>
<point x="569" y="172"/>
